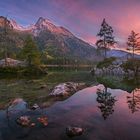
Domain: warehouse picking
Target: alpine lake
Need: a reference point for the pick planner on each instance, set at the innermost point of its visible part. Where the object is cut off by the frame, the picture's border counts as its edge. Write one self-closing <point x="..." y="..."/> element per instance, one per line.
<point x="107" y="109"/>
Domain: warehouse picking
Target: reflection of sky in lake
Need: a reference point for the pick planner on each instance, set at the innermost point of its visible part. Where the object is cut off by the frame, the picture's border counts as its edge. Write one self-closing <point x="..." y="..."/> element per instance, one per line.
<point x="80" y="110"/>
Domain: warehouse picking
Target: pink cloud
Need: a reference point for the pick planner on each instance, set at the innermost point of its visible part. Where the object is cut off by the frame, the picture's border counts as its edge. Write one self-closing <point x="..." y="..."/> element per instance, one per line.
<point x="81" y="17"/>
<point x="90" y="39"/>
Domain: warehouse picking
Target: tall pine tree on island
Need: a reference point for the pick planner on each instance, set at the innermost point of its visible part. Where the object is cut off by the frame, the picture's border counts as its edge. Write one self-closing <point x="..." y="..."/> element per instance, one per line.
<point x="133" y="42"/>
<point x="106" y="37"/>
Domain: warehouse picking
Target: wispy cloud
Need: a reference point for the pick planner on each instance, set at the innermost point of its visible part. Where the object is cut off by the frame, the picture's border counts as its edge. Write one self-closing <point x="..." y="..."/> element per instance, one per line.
<point x="82" y="17"/>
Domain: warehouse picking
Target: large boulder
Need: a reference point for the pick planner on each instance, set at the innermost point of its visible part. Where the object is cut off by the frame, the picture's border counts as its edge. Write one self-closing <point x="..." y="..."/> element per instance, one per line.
<point x="17" y="105"/>
<point x="74" y="131"/>
<point x="11" y="62"/>
<point x="66" y="89"/>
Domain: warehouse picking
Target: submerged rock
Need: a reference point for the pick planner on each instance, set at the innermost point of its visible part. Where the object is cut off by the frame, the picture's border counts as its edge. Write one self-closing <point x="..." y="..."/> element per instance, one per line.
<point x="23" y="120"/>
<point x="65" y="89"/>
<point x="74" y="131"/>
<point x="17" y="104"/>
<point x="17" y="101"/>
<point x="27" y="121"/>
<point x="43" y="120"/>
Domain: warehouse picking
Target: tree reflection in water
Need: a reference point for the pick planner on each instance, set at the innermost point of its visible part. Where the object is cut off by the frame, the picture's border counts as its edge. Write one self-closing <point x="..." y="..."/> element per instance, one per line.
<point x="134" y="100"/>
<point x="106" y="101"/>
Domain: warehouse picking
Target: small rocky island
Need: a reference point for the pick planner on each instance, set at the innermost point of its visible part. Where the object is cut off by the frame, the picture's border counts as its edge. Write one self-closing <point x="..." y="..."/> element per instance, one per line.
<point x="114" y="66"/>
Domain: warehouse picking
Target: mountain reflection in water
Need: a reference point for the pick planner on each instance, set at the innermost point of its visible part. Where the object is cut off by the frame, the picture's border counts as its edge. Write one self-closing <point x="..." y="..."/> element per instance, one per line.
<point x="119" y="120"/>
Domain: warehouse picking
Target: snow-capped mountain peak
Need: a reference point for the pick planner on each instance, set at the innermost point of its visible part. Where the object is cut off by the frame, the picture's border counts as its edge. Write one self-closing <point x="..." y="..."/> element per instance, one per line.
<point x="43" y="21"/>
<point x="42" y="24"/>
<point x="16" y="26"/>
<point x="4" y="22"/>
<point x="46" y="24"/>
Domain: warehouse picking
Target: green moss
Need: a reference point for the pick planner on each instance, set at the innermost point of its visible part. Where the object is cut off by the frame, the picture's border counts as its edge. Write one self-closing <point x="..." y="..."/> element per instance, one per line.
<point x="106" y="62"/>
<point x="133" y="65"/>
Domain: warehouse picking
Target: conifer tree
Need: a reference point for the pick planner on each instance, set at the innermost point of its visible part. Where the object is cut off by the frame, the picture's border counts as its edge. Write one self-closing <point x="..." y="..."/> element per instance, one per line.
<point x="31" y="52"/>
<point x="5" y="37"/>
<point x="106" y="37"/>
<point x="133" y="41"/>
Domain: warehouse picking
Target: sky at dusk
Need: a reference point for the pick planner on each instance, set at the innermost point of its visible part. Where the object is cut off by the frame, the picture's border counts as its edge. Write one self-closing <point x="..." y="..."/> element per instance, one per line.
<point x="81" y="17"/>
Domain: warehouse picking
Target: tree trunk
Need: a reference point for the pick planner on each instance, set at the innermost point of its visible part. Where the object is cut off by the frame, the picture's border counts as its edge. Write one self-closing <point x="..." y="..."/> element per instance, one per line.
<point x="5" y="36"/>
<point x="29" y="61"/>
<point x="133" y="51"/>
<point x="104" y="47"/>
<point x="5" y="56"/>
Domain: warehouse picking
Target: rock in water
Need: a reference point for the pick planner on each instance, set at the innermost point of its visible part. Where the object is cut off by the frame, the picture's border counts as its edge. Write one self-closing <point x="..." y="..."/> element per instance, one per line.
<point x="74" y="131"/>
<point x="24" y="120"/>
<point x="65" y="89"/>
<point x="17" y="105"/>
<point x="43" y="120"/>
<point x="35" y="106"/>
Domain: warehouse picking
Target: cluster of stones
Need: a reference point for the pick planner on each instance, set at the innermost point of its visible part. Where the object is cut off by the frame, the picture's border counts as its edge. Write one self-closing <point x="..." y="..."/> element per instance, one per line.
<point x="114" y="69"/>
<point x="66" y="89"/>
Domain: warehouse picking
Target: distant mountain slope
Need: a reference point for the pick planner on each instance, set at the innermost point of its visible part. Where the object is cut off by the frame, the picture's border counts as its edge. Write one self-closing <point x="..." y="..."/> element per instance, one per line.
<point x="58" y="41"/>
<point x="120" y="54"/>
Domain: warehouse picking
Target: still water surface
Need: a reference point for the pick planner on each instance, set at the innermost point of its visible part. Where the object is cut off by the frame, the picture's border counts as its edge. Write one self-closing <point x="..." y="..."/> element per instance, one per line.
<point x="104" y="113"/>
